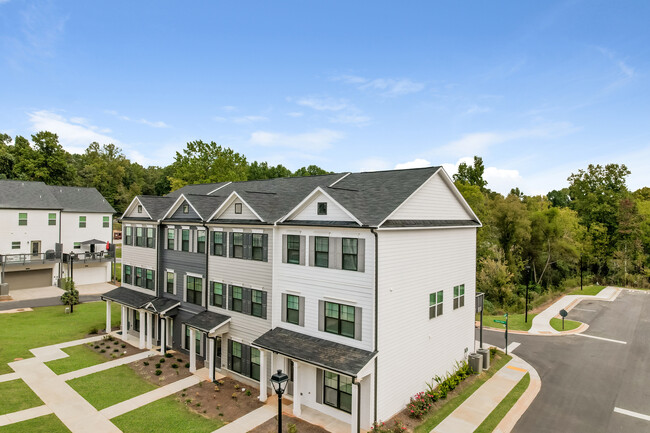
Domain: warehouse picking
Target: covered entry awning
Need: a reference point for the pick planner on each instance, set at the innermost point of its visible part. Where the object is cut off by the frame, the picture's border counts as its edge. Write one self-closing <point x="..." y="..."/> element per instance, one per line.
<point x="326" y="354"/>
<point x="128" y="297"/>
<point x="162" y="306"/>
<point x="93" y="242"/>
<point x="208" y="322"/>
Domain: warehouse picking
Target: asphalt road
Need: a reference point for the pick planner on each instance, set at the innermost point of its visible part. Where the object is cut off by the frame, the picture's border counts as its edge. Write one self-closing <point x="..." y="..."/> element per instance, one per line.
<point x="584" y="379"/>
<point x="43" y="302"/>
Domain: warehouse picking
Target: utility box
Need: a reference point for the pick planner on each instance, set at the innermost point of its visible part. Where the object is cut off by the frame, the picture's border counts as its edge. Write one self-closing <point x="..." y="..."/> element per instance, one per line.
<point x="485" y="353"/>
<point x="476" y="362"/>
<point x="4" y="290"/>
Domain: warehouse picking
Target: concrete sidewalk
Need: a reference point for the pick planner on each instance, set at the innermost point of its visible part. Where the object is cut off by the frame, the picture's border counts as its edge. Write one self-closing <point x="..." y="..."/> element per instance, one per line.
<point x="469" y="415"/>
<point x="542" y="322"/>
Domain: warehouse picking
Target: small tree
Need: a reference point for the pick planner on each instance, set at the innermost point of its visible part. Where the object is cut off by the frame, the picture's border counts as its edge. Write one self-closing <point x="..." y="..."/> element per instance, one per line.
<point x="71" y="295"/>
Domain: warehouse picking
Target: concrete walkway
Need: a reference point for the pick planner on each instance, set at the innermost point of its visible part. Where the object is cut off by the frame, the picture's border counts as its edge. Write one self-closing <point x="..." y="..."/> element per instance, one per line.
<point x="107" y="365"/>
<point x="252" y="419"/>
<point x="542" y="322"/>
<point x="24" y="415"/>
<point x="469" y="415"/>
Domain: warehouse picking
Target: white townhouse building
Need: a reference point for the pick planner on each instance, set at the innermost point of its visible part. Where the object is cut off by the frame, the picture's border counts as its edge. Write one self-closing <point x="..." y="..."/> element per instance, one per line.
<point x="359" y="285"/>
<point x="42" y="225"/>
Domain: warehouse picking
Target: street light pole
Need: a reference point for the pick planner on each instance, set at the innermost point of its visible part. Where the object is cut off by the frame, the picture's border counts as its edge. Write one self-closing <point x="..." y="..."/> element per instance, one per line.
<point x="527" y="284"/>
<point x="279" y="381"/>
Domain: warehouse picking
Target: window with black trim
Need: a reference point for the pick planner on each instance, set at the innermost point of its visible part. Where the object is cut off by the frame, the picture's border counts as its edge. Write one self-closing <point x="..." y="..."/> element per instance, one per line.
<point x="129" y="235"/>
<point x="194" y="290"/>
<point x="293" y="249"/>
<point x="200" y="241"/>
<point x="216" y="294"/>
<point x="149" y="277"/>
<point x="258" y="247"/>
<point x="238" y="208"/>
<point x="293" y="309"/>
<point x="139" y="208"/>
<point x="256" y="303"/>
<point x="238" y="245"/>
<point x="138" y="277"/>
<point x="337" y="391"/>
<point x="139" y="237"/>
<point x="127" y="274"/>
<point x="339" y="319"/>
<point x="170" y="282"/>
<point x="22" y="219"/>
<point x="170" y="239"/>
<point x="197" y="338"/>
<point x="82" y="222"/>
<point x="51" y="219"/>
<point x="321" y="251"/>
<point x="217" y="244"/>
<point x="236" y="357"/>
<point x="322" y="208"/>
<point x="459" y="296"/>
<point x="255" y="363"/>
<point x="185" y="240"/>
<point x="435" y="304"/>
<point x="237" y="299"/>
<point x="186" y="208"/>
<point x="150" y="240"/>
<point x="15" y="245"/>
<point x="350" y="254"/>
<point x="77" y="245"/>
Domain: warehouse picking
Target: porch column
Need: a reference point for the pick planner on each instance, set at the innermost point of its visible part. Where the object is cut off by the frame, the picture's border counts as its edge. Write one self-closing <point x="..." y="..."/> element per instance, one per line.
<point x="149" y="330"/>
<point x="355" y="408"/>
<point x="263" y="378"/>
<point x="192" y="350"/>
<point x="211" y="358"/>
<point x="163" y="335"/>
<point x="296" y="390"/>
<point x="124" y="322"/>
<point x="142" y="315"/>
<point x="108" y="316"/>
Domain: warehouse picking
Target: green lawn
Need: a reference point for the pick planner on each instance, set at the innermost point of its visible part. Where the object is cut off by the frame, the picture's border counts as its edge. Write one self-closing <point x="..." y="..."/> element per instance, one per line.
<point x="118" y="272"/>
<point x="587" y="290"/>
<point x="80" y="357"/>
<point x="110" y="387"/>
<point x="495" y="417"/>
<point x="42" y="424"/>
<point x="435" y="418"/>
<point x="16" y="395"/>
<point x="166" y="415"/>
<point x="515" y="321"/>
<point x="118" y="251"/>
<point x="568" y="324"/>
<point x="44" y="326"/>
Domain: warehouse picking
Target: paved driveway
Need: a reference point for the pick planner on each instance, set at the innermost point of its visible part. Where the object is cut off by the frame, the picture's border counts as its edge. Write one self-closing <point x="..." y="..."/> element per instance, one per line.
<point x="584" y="379"/>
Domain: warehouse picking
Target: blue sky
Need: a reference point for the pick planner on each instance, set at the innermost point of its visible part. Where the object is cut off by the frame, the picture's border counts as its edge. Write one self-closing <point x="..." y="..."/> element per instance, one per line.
<point x="538" y="89"/>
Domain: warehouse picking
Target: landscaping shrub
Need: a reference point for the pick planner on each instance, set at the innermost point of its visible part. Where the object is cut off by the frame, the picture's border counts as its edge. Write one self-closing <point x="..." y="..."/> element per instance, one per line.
<point x="116" y="350"/>
<point x="102" y="351"/>
<point x="291" y="428"/>
<point x="234" y="396"/>
<point x="418" y="406"/>
<point x="187" y="365"/>
<point x="179" y="360"/>
<point x="168" y="355"/>
<point x="145" y="363"/>
<point x="158" y="365"/>
<point x="93" y="330"/>
<point x="174" y="365"/>
<point x="422" y="402"/>
<point x="158" y="372"/>
<point x="248" y="392"/>
<point x="380" y="427"/>
<point x="123" y="345"/>
<point x="96" y="346"/>
<point x="162" y="360"/>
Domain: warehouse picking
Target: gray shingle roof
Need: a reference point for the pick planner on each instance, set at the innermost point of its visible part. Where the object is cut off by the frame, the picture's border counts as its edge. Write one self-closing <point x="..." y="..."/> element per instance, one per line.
<point x="199" y="189"/>
<point x="156" y="206"/>
<point x="206" y="321"/>
<point x="317" y="351"/>
<point x="78" y="199"/>
<point x="16" y="194"/>
<point x="129" y="297"/>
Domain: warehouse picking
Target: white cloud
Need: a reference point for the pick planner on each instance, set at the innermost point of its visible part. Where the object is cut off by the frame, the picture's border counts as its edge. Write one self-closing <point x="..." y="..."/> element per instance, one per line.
<point x="323" y="104"/>
<point x="477" y="109"/>
<point x="75" y="134"/>
<point x="350" y="118"/>
<point x="153" y="124"/>
<point x="346" y="112"/>
<point x="229" y="108"/>
<point x="416" y="163"/>
<point x="626" y="70"/>
<point x="241" y="119"/>
<point x="498" y="179"/>
<point x="390" y="87"/>
<point x="309" y="141"/>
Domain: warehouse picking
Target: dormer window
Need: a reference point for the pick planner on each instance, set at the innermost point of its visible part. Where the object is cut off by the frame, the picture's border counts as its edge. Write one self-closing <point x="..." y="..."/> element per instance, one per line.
<point x="186" y="208"/>
<point x="139" y="208"/>
<point x="322" y="208"/>
<point x="238" y="208"/>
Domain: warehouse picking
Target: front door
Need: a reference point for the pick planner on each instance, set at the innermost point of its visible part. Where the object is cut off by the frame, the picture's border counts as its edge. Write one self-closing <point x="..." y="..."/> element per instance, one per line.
<point x="217" y="352"/>
<point x="290" y="374"/>
<point x="36" y="248"/>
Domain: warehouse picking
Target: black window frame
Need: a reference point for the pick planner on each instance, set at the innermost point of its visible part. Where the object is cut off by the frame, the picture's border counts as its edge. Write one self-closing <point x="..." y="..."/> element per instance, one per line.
<point x="237" y="303"/>
<point x="459" y="296"/>
<point x="255" y="366"/>
<point x="354" y="256"/>
<point x="293" y="253"/>
<point x="321" y="255"/>
<point x="436" y="304"/>
<point x="238" y="208"/>
<point x="185" y="243"/>
<point x="257" y="308"/>
<point x="167" y="282"/>
<point x="200" y="244"/>
<point x="218" y="248"/>
<point x="338" y="391"/>
<point x="257" y="251"/>
<point x="337" y="325"/>
<point x="195" y="293"/>
<point x="128" y="274"/>
<point x="239" y="368"/>
<point x="128" y="236"/>
<point x="321" y="208"/>
<point x="238" y="248"/>
<point x="214" y="297"/>
<point x="293" y="314"/>
<point x="138" y="278"/>
<point x="172" y="232"/>
<point x="139" y="237"/>
<point x="149" y="282"/>
<point x="150" y="237"/>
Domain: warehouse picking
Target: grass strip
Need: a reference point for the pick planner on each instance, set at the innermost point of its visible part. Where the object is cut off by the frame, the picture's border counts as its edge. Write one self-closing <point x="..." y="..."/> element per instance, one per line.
<point x="42" y="424"/>
<point x="112" y="386"/>
<point x="166" y="414"/>
<point x="495" y="417"/>
<point x="16" y="395"/>
<point x="45" y="326"/>
<point x="515" y="321"/>
<point x="587" y="291"/>
<point x="80" y="357"/>
<point x="568" y="324"/>
<point x="435" y="418"/>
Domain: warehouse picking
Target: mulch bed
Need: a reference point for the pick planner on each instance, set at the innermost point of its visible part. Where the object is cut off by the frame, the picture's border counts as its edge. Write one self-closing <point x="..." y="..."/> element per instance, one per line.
<point x="226" y="400"/>
<point x="271" y="426"/>
<point x="173" y="366"/>
<point x="113" y="348"/>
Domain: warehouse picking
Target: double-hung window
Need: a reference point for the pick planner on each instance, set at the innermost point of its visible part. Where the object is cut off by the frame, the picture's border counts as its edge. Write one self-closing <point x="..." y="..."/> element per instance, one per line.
<point x="350" y="254"/>
<point x="15" y="245"/>
<point x="138" y="277"/>
<point x="185" y="240"/>
<point x="256" y="303"/>
<point x="338" y="391"/>
<point x="255" y="363"/>
<point x="217" y="243"/>
<point x="216" y="295"/>
<point x="139" y="236"/>
<point x="435" y="304"/>
<point x="105" y="221"/>
<point x="77" y="245"/>
<point x="293" y="249"/>
<point x="257" y="247"/>
<point x="238" y="245"/>
<point x="170" y="239"/>
<point x="127" y="274"/>
<point x="237" y="298"/>
<point x="200" y="241"/>
<point x="236" y="357"/>
<point x="51" y="219"/>
<point x="321" y="251"/>
<point x="22" y="219"/>
<point x="82" y="222"/>
<point x="129" y="235"/>
<point x="149" y="278"/>
<point x="150" y="241"/>
<point x="293" y="309"/>
<point x="459" y="296"/>
<point x="339" y="319"/>
<point x="170" y="282"/>
<point x="194" y="290"/>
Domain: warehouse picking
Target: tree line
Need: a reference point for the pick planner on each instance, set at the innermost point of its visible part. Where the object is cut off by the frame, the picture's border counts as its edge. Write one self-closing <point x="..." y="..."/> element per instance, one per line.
<point x="595" y="225"/>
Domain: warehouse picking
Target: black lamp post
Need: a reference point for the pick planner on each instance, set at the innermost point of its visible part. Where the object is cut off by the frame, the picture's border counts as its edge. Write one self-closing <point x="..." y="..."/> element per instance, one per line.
<point x="527" y="284"/>
<point x="279" y="381"/>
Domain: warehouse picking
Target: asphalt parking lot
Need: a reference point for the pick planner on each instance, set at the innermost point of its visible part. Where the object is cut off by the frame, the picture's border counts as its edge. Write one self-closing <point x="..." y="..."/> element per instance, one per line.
<point x="595" y="382"/>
